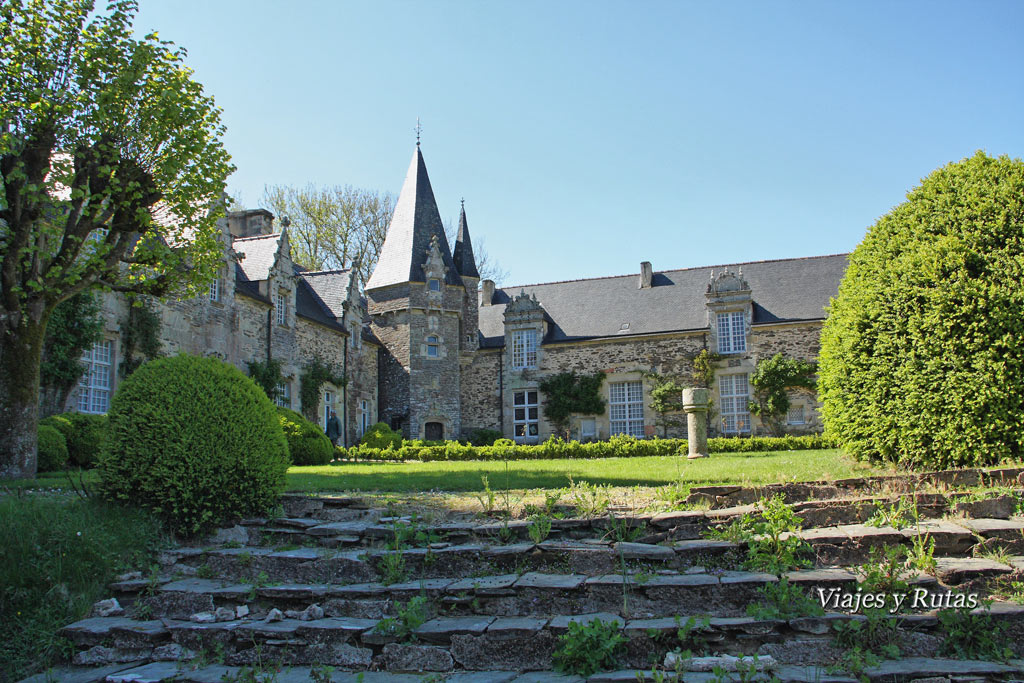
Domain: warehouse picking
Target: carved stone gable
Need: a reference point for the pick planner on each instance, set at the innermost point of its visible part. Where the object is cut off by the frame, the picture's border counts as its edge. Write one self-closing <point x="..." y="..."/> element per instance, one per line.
<point x="727" y="282"/>
<point x="434" y="266"/>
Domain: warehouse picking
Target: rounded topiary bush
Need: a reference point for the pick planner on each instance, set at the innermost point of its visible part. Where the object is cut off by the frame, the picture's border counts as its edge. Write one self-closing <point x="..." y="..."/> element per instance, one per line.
<point x="922" y="354"/>
<point x="88" y="435"/>
<point x="53" y="450"/>
<point x="306" y="443"/>
<point x="194" y="440"/>
<point x="381" y="436"/>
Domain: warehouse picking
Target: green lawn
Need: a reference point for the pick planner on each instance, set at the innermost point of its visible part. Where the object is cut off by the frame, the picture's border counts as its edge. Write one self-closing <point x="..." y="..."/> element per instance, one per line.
<point x="408" y="477"/>
<point x="724" y="468"/>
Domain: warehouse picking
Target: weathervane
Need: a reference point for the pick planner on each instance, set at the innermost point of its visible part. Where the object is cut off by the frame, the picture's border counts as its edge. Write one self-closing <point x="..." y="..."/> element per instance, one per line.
<point x="419" y="129"/>
<point x="463" y="202"/>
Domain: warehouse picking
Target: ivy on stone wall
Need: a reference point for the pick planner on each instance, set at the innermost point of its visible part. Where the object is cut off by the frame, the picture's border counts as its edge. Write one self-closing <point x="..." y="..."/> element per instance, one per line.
<point x="567" y="393"/>
<point x="666" y="400"/>
<point x="771" y="380"/>
<point x="74" y="327"/>
<point x="314" y="375"/>
<point x="140" y="335"/>
<point x="267" y="374"/>
<point x="704" y="368"/>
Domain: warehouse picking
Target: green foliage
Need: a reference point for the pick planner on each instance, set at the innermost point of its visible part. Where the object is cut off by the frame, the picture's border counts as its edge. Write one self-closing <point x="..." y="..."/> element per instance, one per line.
<point x="195" y="441"/>
<point x="540" y="528"/>
<point x="784" y="600"/>
<point x="484" y="437"/>
<point x="899" y="515"/>
<point x="773" y="544"/>
<point x="314" y="375"/>
<point x="974" y="635"/>
<point x="771" y="381"/>
<point x="590" y="500"/>
<point x="84" y="434"/>
<point x="704" y="368"/>
<point x="567" y="393"/>
<point x="140" y="335"/>
<point x="411" y="616"/>
<point x="267" y="375"/>
<point x="921" y="358"/>
<point x="885" y="573"/>
<point x="56" y="558"/>
<point x="74" y="327"/>
<point x="379" y="437"/>
<point x="618" y="446"/>
<point x="867" y="640"/>
<point x="53" y="449"/>
<point x="307" y="444"/>
<point x="666" y="399"/>
<point x="588" y="648"/>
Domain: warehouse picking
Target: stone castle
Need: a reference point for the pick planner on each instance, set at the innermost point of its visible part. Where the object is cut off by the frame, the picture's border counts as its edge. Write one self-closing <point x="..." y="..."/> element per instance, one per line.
<point x="436" y="353"/>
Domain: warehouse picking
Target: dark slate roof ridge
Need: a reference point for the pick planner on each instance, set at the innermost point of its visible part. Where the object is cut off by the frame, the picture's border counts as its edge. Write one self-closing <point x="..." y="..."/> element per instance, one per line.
<point x="251" y="238"/>
<point x="465" y="259"/>
<point x="336" y="271"/>
<point x="672" y="270"/>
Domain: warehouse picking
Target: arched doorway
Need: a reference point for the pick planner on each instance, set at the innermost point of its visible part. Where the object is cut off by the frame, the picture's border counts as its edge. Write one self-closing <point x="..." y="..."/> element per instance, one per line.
<point x="433" y="431"/>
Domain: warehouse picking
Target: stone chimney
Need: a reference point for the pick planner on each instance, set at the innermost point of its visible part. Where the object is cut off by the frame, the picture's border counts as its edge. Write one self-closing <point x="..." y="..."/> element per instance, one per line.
<point x="646" y="275"/>
<point x="486" y="292"/>
<point x="250" y="222"/>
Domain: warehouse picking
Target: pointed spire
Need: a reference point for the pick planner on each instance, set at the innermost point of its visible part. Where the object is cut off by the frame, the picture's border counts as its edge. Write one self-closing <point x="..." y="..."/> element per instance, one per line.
<point x="465" y="261"/>
<point x="415" y="221"/>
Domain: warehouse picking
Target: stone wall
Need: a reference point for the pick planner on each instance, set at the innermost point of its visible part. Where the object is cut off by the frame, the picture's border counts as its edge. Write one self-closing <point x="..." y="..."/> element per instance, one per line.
<point x="481" y="391"/>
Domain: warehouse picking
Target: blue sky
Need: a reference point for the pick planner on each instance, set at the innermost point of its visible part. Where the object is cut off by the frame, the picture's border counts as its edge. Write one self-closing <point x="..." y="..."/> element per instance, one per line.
<point x="589" y="136"/>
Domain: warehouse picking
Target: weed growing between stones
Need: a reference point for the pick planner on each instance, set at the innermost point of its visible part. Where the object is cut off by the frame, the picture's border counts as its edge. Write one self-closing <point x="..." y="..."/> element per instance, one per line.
<point x="590" y="500"/>
<point x="488" y="499"/>
<point x="921" y="555"/>
<point x="899" y="515"/>
<point x="773" y="543"/>
<point x="867" y="642"/>
<point x="621" y="530"/>
<point x="885" y="572"/>
<point x="588" y="648"/>
<point x="411" y="615"/>
<point x="973" y="635"/>
<point x="540" y="527"/>
<point x="993" y="552"/>
<point x="784" y="600"/>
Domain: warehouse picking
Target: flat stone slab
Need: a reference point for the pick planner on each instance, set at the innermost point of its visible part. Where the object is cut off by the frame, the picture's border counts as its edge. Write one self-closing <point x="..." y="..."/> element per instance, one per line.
<point x="305" y="554"/>
<point x="644" y="551"/>
<point x="298" y="522"/>
<point x="545" y="676"/>
<point x="668" y="520"/>
<point x="150" y="673"/>
<point x="425" y="585"/>
<point x="508" y="550"/>
<point x="484" y="584"/>
<point x="681" y="580"/>
<point x="760" y="578"/>
<point x="338" y="528"/>
<point x="550" y="581"/>
<point x="994" y="528"/>
<point x="95" y="628"/>
<point x="89" y="674"/>
<point x="821" y="577"/>
<point x="294" y="591"/>
<point x="207" y="586"/>
<point x="517" y="626"/>
<point x="481" y="677"/>
<point x="442" y="629"/>
<point x="959" y="569"/>
<point x="826" y="534"/>
<point x="359" y="590"/>
<point x="703" y="546"/>
<point x="918" y="667"/>
<point x="561" y="622"/>
<point x="863" y="532"/>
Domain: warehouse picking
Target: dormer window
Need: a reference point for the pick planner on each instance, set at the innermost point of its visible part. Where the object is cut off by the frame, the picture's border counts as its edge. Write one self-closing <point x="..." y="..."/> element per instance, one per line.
<point x="732" y="333"/>
<point x="434" y="284"/>
<point x="281" y="308"/>
<point x="433" y="347"/>
<point x="524" y="349"/>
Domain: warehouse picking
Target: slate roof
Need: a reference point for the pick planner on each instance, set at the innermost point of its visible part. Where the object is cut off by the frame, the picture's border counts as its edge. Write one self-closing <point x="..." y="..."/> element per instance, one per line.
<point x="260" y="253"/>
<point x="330" y="287"/>
<point x="784" y="290"/>
<point x="413" y="223"/>
<point x="465" y="261"/>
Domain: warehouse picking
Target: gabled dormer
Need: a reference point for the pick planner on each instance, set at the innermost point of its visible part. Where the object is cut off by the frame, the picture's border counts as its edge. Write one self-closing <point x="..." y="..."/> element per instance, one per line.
<point x="525" y="326"/>
<point x="730" y="311"/>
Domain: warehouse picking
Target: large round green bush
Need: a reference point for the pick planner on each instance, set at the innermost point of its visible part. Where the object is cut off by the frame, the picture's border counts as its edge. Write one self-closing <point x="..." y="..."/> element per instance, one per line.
<point x="381" y="436"/>
<point x="84" y="434"/>
<point x="194" y="440"/>
<point x="922" y="358"/>
<point x="53" y="450"/>
<point x="306" y="443"/>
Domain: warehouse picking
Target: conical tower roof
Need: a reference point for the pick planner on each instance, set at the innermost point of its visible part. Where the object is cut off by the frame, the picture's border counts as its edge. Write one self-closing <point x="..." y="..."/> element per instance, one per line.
<point x="415" y="221"/>
<point x="465" y="260"/>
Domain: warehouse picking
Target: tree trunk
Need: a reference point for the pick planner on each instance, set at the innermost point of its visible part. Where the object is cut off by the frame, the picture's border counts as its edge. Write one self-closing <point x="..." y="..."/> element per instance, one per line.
<point x="21" y="350"/>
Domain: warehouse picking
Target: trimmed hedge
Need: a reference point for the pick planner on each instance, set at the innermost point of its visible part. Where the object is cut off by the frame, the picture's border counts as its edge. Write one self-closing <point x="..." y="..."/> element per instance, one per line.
<point x="52" y="451"/>
<point x="616" y="447"/>
<point x="85" y="435"/>
<point x="380" y="436"/>
<point x="194" y="440"/>
<point x="306" y="443"/>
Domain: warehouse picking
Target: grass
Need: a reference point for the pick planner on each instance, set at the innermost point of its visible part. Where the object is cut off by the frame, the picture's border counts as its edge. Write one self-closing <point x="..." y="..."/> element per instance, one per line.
<point x="725" y="468"/>
<point x="56" y="557"/>
<point x="414" y="477"/>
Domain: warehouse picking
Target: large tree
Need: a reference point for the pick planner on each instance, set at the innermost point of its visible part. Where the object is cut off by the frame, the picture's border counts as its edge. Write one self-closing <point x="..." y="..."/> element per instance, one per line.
<point x="922" y="354"/>
<point x="111" y="171"/>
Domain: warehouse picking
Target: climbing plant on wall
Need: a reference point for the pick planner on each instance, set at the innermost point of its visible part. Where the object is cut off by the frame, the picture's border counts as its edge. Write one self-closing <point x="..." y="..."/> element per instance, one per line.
<point x="315" y="373"/>
<point x="704" y="368"/>
<point x="567" y="393"/>
<point x="74" y="327"/>
<point x="140" y="335"/>
<point x="267" y="374"/>
<point x="771" y="381"/>
<point x="666" y="400"/>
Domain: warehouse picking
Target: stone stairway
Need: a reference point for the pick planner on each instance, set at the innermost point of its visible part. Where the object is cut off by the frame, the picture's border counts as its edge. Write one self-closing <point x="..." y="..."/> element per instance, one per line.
<point x="336" y="589"/>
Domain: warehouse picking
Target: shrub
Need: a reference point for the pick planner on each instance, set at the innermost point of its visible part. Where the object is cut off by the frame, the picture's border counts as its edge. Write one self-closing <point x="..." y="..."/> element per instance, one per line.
<point x="921" y="355"/>
<point x="589" y="648"/>
<point x="53" y="449"/>
<point x="85" y="435"/>
<point x="306" y="443"/>
<point x="484" y="437"/>
<point x="194" y="440"/>
<point x="381" y="436"/>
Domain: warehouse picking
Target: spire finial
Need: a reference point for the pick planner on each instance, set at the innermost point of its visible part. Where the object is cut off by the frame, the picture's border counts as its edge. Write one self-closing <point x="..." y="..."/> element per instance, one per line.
<point x="463" y="203"/>
<point x="419" y="129"/>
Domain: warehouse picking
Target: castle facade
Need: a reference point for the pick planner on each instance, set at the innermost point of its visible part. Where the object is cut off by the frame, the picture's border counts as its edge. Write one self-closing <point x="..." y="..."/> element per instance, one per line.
<point x="437" y="353"/>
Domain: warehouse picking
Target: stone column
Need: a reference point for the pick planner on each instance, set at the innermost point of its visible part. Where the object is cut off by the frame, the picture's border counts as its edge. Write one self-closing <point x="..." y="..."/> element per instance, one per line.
<point x="695" y="403"/>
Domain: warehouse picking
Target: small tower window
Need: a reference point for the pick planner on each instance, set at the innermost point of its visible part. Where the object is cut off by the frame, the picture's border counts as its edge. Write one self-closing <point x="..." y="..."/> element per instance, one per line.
<point x="434" y="285"/>
<point x="215" y="290"/>
<point x="432" y="346"/>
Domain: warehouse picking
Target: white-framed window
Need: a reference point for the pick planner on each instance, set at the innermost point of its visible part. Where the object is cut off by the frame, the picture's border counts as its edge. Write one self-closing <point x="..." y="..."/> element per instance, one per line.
<point x="626" y="405"/>
<point x="795" y="416"/>
<point x="281" y="308"/>
<point x="328" y="406"/>
<point x="214" y="294"/>
<point x="525" y="417"/>
<point x="434" y="285"/>
<point x="735" y="394"/>
<point x="94" y="385"/>
<point x="364" y="417"/>
<point x="732" y="333"/>
<point x="433" y="347"/>
<point x="524" y="349"/>
<point x="284" y="395"/>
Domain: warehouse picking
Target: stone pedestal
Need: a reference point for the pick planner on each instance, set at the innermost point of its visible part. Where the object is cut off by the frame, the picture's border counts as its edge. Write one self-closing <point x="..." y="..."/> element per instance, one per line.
<point x="695" y="404"/>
